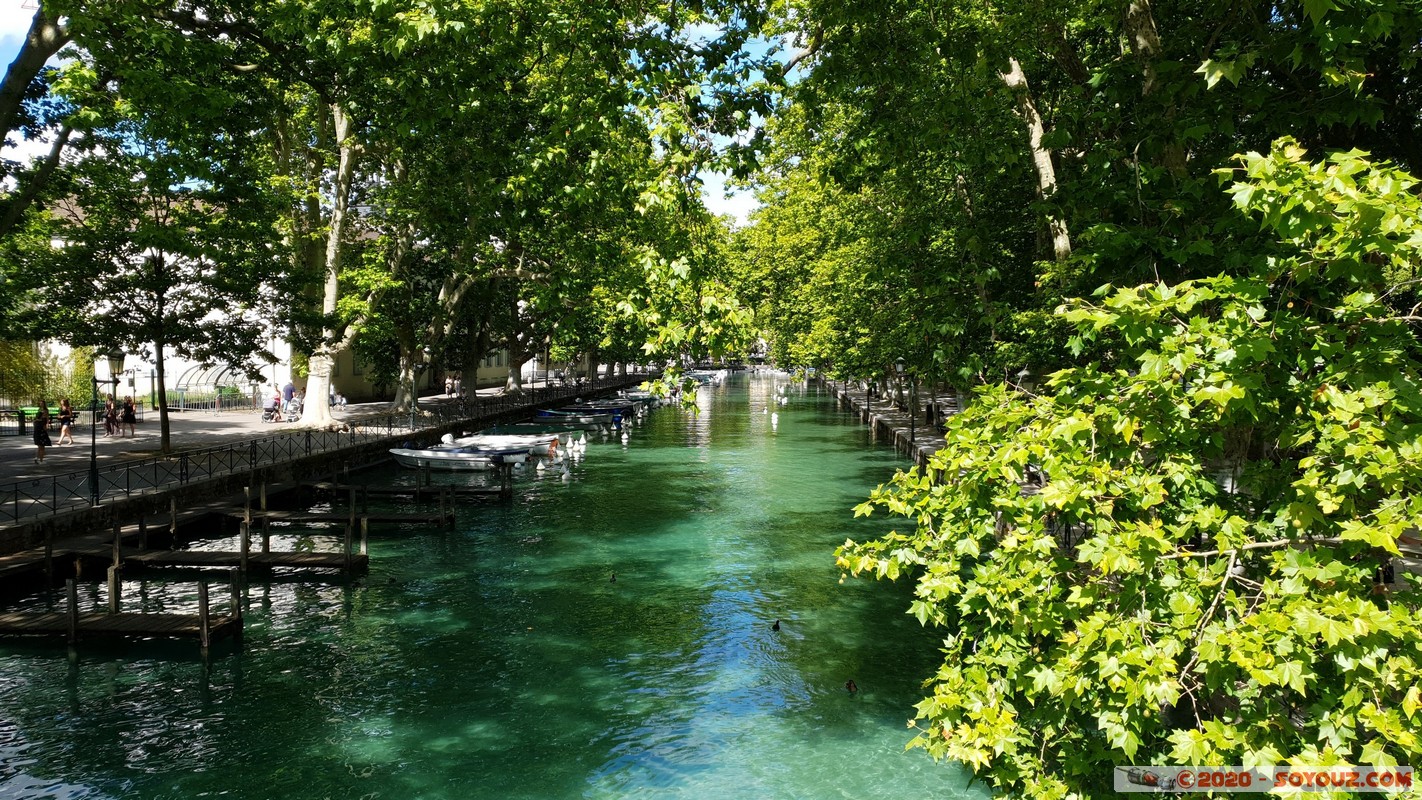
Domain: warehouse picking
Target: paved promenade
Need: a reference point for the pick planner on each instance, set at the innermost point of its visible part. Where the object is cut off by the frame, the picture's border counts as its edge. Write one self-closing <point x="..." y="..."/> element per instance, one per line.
<point x="188" y="430"/>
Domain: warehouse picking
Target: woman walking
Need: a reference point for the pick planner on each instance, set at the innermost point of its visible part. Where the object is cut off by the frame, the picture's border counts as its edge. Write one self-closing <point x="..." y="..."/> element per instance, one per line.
<point x="129" y="415"/>
<point x="66" y="422"/>
<point x="41" y="431"/>
<point x="111" y="423"/>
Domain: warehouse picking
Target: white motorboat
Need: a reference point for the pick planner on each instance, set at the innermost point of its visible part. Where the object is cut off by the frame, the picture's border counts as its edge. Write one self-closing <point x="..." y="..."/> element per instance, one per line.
<point x="539" y="444"/>
<point x="466" y="459"/>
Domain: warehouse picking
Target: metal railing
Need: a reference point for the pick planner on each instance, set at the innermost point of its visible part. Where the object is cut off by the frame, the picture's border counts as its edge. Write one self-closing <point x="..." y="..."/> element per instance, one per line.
<point x="54" y="494"/>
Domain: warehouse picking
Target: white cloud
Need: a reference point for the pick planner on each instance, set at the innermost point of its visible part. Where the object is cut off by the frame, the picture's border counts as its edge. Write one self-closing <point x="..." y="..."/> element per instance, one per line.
<point x="14" y="26"/>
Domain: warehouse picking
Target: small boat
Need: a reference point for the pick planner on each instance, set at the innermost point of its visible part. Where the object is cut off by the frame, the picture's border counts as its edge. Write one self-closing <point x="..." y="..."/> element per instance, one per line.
<point x="464" y="459"/>
<point x="539" y="444"/>
<point x="584" y="417"/>
<point x="624" y="407"/>
<point x="565" y="430"/>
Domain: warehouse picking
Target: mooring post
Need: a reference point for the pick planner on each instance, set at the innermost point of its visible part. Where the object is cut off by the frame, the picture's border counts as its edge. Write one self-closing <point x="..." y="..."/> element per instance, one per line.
<point x="245" y="545"/>
<point x="348" y="545"/>
<point x="266" y="531"/>
<point x="71" y="588"/>
<point x="48" y="557"/>
<point x="204" y="625"/>
<point x="172" y="521"/>
<point x="142" y="533"/>
<point x="118" y="545"/>
<point x="365" y="498"/>
<point x="364" y="534"/>
<point x="235" y="582"/>
<point x="115" y="584"/>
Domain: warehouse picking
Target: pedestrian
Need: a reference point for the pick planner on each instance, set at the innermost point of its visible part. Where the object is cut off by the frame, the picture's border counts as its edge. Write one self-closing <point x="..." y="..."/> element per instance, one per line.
<point x="130" y="414"/>
<point x="288" y="391"/>
<point x="111" y="423"/>
<point x="458" y="384"/>
<point x="66" y="422"/>
<point x="449" y="386"/>
<point x="41" y="431"/>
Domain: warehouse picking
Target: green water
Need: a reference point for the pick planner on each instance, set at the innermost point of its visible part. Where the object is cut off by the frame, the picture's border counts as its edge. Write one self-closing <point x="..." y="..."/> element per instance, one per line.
<point x="499" y="659"/>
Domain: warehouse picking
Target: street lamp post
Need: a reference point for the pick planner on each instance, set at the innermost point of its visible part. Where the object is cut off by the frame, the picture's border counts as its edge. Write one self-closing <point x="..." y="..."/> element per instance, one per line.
<point x="115" y="359"/>
<point x="901" y="368"/>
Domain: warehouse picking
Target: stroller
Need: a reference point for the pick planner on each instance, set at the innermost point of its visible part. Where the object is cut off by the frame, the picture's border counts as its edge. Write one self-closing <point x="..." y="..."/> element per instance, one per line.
<point x="292" y="411"/>
<point x="271" y="413"/>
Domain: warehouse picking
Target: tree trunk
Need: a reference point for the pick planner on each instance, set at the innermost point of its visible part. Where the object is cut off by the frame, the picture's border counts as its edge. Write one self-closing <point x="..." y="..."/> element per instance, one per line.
<point x="1016" y="80"/>
<point x="514" y="383"/>
<point x="164" y="441"/>
<point x="1145" y="41"/>
<point x="317" y="411"/>
<point x="46" y="36"/>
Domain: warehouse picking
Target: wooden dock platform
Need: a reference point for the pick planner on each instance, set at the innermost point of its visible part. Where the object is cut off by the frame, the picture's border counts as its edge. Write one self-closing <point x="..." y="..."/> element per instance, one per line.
<point x="74" y="625"/>
<point x="230" y="560"/>
<point x="417" y="492"/>
<point x="129" y="624"/>
<point x="276" y="515"/>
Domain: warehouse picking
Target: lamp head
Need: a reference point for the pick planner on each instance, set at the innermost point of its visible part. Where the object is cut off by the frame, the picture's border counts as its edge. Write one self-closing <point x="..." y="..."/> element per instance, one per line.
<point x="899" y="365"/>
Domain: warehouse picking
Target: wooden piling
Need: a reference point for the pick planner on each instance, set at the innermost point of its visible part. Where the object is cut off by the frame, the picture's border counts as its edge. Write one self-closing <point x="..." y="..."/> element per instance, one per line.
<point x="364" y="535"/>
<point x="48" y="555"/>
<point x="204" y="624"/>
<point x="266" y="529"/>
<point x="142" y="533"/>
<point x="347" y="550"/>
<point x="71" y="589"/>
<point x="173" y="519"/>
<point x="234" y="578"/>
<point x="115" y="587"/>
<point x="118" y="545"/>
<point x="245" y="546"/>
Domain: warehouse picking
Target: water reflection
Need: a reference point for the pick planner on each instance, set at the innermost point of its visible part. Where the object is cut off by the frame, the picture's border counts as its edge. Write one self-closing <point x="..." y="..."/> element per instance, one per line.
<point x="498" y="659"/>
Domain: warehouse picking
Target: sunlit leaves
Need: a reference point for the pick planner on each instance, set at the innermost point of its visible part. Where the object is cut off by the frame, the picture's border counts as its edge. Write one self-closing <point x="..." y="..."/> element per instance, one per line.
<point x="1183" y="562"/>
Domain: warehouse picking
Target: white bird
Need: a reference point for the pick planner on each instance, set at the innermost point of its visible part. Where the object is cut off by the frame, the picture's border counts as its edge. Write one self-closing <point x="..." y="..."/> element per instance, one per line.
<point x="774" y="421"/>
<point x="541" y="466"/>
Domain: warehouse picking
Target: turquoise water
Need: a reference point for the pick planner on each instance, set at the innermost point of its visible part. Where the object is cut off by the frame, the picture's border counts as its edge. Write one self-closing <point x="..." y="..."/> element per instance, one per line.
<point x="500" y="660"/>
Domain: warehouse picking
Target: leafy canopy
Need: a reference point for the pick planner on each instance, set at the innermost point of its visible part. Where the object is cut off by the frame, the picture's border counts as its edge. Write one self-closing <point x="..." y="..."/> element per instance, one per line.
<point x="1194" y="571"/>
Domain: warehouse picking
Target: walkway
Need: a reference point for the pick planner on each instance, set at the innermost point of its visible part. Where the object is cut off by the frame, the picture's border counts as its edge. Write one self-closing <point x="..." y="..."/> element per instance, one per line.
<point x="916" y="437"/>
<point x="206" y="445"/>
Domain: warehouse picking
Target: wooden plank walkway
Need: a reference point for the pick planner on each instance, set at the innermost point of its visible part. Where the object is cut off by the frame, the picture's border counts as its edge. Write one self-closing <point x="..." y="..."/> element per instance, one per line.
<point x="277" y="515"/>
<point x="418" y="492"/>
<point x="219" y="558"/>
<point x="100" y="623"/>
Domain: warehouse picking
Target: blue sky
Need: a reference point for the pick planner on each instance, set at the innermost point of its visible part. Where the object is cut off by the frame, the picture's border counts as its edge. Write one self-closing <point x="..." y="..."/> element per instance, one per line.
<point x="15" y="23"/>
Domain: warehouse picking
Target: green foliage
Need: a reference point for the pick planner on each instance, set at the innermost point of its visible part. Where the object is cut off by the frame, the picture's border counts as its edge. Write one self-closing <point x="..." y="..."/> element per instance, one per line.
<point x="1178" y="563"/>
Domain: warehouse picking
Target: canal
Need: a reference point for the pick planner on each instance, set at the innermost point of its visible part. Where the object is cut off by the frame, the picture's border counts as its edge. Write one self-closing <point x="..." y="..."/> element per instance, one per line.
<point x="501" y="659"/>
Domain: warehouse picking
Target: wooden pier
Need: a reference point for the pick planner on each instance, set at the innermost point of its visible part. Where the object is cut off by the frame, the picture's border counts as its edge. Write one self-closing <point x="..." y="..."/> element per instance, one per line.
<point x="348" y="562"/>
<point x="419" y="493"/>
<point x="75" y="625"/>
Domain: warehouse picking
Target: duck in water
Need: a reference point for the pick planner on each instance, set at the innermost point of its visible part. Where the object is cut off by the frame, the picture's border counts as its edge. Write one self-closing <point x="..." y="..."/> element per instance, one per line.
<point x="852" y="686"/>
<point x="776" y="626"/>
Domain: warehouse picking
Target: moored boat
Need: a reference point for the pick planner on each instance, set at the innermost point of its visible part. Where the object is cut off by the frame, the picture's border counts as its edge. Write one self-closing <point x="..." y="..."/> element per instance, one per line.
<point x="463" y="459"/>
<point x="539" y="444"/>
<point x="584" y="417"/>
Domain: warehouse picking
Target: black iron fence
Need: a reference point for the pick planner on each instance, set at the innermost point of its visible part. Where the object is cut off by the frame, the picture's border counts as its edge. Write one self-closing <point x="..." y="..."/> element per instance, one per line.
<point x="53" y="494"/>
